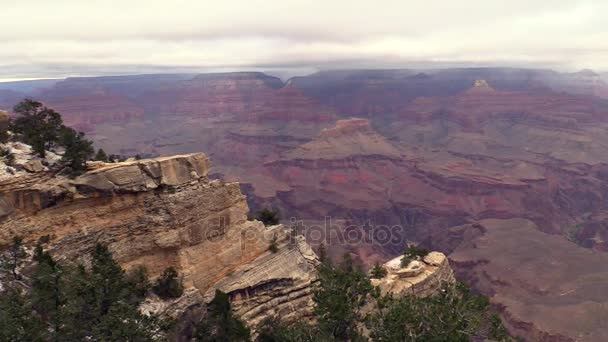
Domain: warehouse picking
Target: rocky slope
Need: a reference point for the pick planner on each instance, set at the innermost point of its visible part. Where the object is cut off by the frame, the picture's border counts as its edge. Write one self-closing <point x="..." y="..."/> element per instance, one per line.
<point x="166" y="212"/>
<point x="546" y="294"/>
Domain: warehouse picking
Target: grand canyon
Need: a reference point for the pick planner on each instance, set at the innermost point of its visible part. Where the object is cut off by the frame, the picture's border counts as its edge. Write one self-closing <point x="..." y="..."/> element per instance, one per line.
<point x="504" y="170"/>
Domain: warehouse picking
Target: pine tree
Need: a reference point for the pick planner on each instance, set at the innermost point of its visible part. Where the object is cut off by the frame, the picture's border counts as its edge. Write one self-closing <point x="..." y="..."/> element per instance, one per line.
<point x="341" y="294"/>
<point x="273" y="245"/>
<point x="101" y="156"/>
<point x="220" y="324"/>
<point x="17" y="322"/>
<point x="46" y="294"/>
<point x="77" y="150"/>
<point x="13" y="258"/>
<point x="36" y="125"/>
<point x="378" y="272"/>
<point x="168" y="284"/>
<point x="269" y="217"/>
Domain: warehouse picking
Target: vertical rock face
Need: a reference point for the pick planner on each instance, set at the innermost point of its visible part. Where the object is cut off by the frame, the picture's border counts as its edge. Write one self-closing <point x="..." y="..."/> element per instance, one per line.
<point x="275" y="284"/>
<point x="165" y="212"/>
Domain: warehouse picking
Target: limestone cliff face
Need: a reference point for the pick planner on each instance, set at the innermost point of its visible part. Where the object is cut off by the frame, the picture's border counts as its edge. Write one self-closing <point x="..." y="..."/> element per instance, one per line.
<point x="420" y="277"/>
<point x="165" y="212"/>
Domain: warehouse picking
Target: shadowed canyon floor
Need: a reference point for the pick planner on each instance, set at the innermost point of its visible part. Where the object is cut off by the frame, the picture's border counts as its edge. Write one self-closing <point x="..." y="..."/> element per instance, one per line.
<point x="505" y="170"/>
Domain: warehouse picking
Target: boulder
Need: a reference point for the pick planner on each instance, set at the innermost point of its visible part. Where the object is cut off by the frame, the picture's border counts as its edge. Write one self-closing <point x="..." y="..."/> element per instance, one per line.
<point x="33" y="166"/>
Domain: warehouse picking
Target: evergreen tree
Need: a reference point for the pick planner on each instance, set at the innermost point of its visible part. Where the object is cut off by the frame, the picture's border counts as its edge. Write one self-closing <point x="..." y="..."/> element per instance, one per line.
<point x="378" y="272"/>
<point x="46" y="294"/>
<point x="273" y="245"/>
<point x="220" y="324"/>
<point x="268" y="217"/>
<point x="273" y="330"/>
<point x="137" y="278"/>
<point x="412" y="252"/>
<point x="341" y="294"/>
<point x="77" y="150"/>
<point x="101" y="155"/>
<point x="36" y="125"/>
<point x="323" y="253"/>
<point x="453" y="314"/>
<point x="13" y="258"/>
<point x="7" y="156"/>
<point x="17" y="322"/>
<point x="168" y="284"/>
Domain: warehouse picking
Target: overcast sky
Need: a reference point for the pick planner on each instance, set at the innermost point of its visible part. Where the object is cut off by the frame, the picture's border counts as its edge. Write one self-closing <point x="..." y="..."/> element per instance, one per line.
<point x="56" y="38"/>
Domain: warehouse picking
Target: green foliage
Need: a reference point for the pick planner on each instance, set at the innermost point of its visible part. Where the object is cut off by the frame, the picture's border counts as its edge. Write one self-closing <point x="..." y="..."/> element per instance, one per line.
<point x="36" y="125"/>
<point x="454" y="314"/>
<point x="7" y="156"/>
<point x="101" y="155"/>
<point x="273" y="245"/>
<point x="497" y="330"/>
<point x="46" y="295"/>
<point x="17" y="321"/>
<point x="323" y="253"/>
<point x="268" y="217"/>
<point x="220" y="324"/>
<point x="378" y="272"/>
<point x="114" y="158"/>
<point x="341" y="294"/>
<point x="412" y="253"/>
<point x="273" y="330"/>
<point x="3" y="135"/>
<point x="77" y="150"/>
<point x="71" y="303"/>
<point x="13" y="258"/>
<point x="168" y="285"/>
<point x="43" y="128"/>
<point x="137" y="278"/>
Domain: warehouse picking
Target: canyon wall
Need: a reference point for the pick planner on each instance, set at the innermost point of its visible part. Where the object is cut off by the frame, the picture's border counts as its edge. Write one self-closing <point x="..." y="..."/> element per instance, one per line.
<point x="160" y="213"/>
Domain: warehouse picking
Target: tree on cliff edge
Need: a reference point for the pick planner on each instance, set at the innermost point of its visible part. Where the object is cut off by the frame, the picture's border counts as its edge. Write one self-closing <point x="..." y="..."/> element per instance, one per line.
<point x="77" y="149"/>
<point x="36" y="125"/>
<point x="101" y="155"/>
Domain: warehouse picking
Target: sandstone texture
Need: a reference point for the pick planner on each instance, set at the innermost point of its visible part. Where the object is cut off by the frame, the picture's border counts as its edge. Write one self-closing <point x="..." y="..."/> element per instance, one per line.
<point x="166" y="212"/>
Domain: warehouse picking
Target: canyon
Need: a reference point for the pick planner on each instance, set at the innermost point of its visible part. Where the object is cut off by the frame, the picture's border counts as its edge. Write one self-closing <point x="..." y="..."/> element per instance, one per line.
<point x="504" y="170"/>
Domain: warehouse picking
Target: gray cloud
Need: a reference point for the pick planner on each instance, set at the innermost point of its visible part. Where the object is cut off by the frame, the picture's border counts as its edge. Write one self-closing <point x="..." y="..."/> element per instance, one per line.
<point x="41" y="38"/>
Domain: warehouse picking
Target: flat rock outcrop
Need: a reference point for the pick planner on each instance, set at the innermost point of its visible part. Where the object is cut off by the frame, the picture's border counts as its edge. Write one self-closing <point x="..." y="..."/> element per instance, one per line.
<point x="420" y="277"/>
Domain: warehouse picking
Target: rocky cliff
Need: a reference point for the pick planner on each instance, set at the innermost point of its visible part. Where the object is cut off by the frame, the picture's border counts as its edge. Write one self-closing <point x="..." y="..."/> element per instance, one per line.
<point x="166" y="212"/>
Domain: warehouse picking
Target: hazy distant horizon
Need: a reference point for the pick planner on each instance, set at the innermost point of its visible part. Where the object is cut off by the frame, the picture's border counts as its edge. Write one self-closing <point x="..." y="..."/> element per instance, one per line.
<point x="62" y="38"/>
<point x="283" y="73"/>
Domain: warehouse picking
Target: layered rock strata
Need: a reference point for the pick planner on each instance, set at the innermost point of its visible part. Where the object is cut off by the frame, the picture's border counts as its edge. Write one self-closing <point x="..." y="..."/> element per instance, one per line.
<point x="161" y="213"/>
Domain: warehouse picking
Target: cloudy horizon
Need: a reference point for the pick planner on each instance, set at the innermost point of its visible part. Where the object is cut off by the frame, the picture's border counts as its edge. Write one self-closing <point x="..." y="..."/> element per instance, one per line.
<point x="55" y="39"/>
